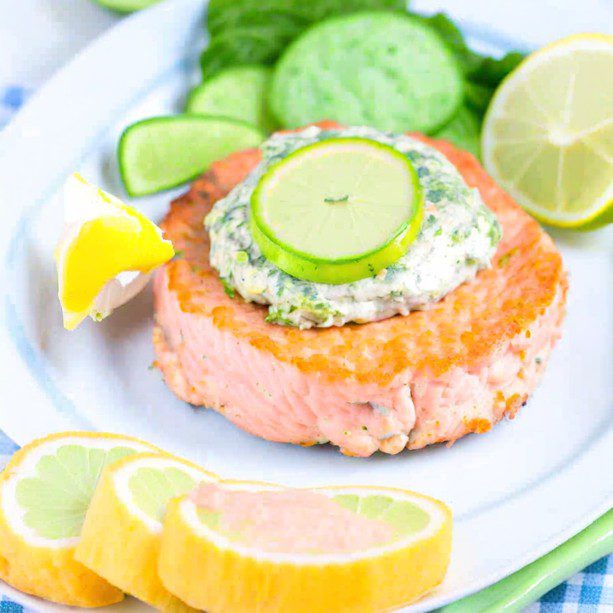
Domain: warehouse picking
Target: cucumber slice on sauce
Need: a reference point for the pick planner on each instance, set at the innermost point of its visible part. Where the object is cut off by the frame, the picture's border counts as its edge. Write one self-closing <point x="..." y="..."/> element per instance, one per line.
<point x="338" y="210"/>
<point x="238" y="93"/>
<point x="387" y="70"/>
<point x="163" y="152"/>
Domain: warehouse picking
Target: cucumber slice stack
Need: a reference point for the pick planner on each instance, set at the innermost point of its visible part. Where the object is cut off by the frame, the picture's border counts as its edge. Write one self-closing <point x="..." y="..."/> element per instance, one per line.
<point x="338" y="210"/>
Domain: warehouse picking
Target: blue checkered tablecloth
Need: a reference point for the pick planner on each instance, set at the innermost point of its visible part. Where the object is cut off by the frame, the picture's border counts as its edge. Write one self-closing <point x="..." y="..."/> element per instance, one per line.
<point x="11" y="98"/>
<point x="590" y="591"/>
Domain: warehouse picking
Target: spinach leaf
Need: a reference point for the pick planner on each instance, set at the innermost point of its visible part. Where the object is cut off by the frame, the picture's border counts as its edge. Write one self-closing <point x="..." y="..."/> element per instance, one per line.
<point x="477" y="96"/>
<point x="482" y="74"/>
<point x="453" y="38"/>
<point x="490" y="71"/>
<point x="245" y="46"/>
<point x="464" y="130"/>
<point x="257" y="31"/>
<point x="240" y="14"/>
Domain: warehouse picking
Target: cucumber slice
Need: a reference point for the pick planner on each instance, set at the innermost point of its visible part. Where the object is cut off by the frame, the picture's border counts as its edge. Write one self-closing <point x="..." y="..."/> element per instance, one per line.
<point x="125" y="6"/>
<point x="238" y="93"/>
<point x="464" y="131"/>
<point x="163" y="152"/>
<point x="338" y="210"/>
<point x="387" y="70"/>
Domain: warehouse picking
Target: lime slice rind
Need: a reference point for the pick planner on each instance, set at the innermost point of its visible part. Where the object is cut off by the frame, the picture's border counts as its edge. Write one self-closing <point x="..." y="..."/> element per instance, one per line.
<point x="126" y="6"/>
<point x="294" y="259"/>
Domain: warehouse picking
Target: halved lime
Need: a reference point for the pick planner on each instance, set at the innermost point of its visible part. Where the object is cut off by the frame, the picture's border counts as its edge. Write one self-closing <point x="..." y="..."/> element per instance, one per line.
<point x="238" y="93"/>
<point x="163" y="152"/>
<point x="338" y="210"/>
<point x="464" y="131"/>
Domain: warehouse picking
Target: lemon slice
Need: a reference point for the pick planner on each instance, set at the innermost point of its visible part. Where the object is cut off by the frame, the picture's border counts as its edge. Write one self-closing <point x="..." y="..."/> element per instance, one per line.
<point x="105" y="254"/>
<point x="231" y="545"/>
<point x="548" y="133"/>
<point x="338" y="210"/>
<point x="121" y="535"/>
<point x="45" y="491"/>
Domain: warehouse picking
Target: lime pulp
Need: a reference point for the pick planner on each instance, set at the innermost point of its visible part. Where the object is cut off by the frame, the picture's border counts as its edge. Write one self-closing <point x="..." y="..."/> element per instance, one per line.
<point x="337" y="211"/>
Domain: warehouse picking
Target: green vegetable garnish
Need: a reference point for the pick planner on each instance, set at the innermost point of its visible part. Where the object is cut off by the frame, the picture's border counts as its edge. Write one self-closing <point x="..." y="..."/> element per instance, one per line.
<point x="163" y="152"/>
<point x="381" y="69"/>
<point x="239" y="93"/>
<point x="464" y="130"/>
<point x="257" y="31"/>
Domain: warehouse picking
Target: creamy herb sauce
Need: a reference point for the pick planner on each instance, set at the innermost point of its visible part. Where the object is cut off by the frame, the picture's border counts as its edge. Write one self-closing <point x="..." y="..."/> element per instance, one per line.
<point x="458" y="237"/>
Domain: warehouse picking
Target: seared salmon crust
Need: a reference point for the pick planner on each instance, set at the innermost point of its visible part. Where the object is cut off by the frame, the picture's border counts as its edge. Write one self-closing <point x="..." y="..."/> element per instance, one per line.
<point x="428" y="377"/>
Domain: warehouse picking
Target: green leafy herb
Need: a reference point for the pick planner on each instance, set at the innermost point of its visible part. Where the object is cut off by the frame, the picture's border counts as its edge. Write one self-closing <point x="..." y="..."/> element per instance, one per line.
<point x="504" y="260"/>
<point x="230" y="291"/>
<point x="257" y="31"/>
<point x="451" y="35"/>
<point x="464" y="130"/>
<point x="337" y="200"/>
<point x="482" y="74"/>
<point x="490" y="71"/>
<point x="242" y="257"/>
<point x="477" y="97"/>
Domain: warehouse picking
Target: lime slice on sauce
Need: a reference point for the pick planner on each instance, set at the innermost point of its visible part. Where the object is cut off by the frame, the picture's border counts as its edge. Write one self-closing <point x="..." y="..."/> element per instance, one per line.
<point x="337" y="211"/>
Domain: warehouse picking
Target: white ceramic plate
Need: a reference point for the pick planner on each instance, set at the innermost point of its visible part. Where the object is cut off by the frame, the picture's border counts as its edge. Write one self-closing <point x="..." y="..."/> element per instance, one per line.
<point x="516" y="492"/>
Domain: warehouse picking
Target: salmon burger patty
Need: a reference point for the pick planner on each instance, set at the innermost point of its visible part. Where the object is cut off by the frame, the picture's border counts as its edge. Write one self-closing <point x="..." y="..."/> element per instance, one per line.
<point x="403" y="382"/>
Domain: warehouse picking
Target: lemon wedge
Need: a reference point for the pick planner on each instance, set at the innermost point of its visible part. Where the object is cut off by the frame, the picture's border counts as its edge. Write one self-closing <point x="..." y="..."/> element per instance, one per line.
<point x="232" y="545"/>
<point x="120" y="539"/>
<point x="548" y="133"/>
<point x="45" y="492"/>
<point x="106" y="253"/>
